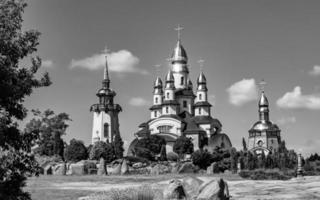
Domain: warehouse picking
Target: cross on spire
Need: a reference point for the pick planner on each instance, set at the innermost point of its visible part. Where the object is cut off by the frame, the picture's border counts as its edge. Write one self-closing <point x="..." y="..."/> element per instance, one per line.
<point x="106" y="68"/>
<point x="262" y="85"/>
<point x="201" y="61"/>
<point x="179" y="29"/>
<point x="157" y="67"/>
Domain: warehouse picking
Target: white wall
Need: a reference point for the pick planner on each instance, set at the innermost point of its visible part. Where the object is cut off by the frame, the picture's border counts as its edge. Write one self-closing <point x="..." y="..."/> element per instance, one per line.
<point x="98" y="126"/>
<point x="166" y="121"/>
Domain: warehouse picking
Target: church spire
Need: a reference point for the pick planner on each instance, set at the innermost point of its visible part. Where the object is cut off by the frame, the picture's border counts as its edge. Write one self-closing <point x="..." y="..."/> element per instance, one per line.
<point x="179" y="54"/>
<point x="263" y="104"/>
<point x="106" y="79"/>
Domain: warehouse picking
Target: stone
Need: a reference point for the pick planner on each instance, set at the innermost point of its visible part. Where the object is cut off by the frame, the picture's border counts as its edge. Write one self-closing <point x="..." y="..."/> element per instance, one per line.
<point x="60" y="169"/>
<point x="114" y="169"/>
<point x="187" y="167"/>
<point x="47" y="170"/>
<point x="102" y="170"/>
<point x="210" y="191"/>
<point x="210" y="169"/>
<point x="137" y="165"/>
<point x="174" y="190"/>
<point x="124" y="167"/>
<point x="160" y="169"/>
<point x="77" y="169"/>
<point x="155" y="170"/>
<point x="191" y="186"/>
<point x="175" y="168"/>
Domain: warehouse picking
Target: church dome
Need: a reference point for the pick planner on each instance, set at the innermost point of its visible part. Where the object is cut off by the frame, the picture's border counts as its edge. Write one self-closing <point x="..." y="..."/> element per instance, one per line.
<point x="105" y="92"/>
<point x="179" y="54"/>
<point x="263" y="100"/>
<point x="264" y="125"/>
<point x="158" y="82"/>
<point x="169" y="77"/>
<point x="202" y="79"/>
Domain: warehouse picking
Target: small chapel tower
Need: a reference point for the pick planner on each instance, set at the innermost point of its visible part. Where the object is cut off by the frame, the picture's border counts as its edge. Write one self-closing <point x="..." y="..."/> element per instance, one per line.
<point x="105" y="113"/>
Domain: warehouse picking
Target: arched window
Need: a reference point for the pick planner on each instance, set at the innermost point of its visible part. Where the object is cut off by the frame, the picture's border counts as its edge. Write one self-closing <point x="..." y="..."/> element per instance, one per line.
<point x="182" y="80"/>
<point x="156" y="100"/>
<point x="167" y="109"/>
<point x="164" y="129"/>
<point x="106" y="130"/>
<point x="200" y="96"/>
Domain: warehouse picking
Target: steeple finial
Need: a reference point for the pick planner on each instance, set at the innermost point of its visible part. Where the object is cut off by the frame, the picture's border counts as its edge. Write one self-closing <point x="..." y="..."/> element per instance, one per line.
<point x="179" y="29"/>
<point x="157" y="68"/>
<point x="106" y="69"/>
<point x="201" y="61"/>
<point x="262" y="85"/>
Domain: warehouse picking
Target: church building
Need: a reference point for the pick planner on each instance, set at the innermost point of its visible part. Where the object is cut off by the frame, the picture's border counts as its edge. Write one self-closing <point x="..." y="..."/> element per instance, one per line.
<point x="178" y="110"/>
<point x="105" y="113"/>
<point x="264" y="136"/>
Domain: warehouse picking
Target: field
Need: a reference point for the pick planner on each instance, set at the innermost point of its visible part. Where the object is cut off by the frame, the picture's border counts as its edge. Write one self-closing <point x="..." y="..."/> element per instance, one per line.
<point x="73" y="187"/>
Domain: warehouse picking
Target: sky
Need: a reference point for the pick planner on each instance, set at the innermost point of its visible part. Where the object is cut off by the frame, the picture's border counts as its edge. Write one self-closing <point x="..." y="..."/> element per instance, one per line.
<point x="240" y="41"/>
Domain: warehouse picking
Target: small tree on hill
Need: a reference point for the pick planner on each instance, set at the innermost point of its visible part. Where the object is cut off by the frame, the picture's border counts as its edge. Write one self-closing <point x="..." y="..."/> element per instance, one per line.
<point x="244" y="144"/>
<point x="183" y="145"/>
<point x="118" y="146"/>
<point x="104" y="150"/>
<point x="76" y="151"/>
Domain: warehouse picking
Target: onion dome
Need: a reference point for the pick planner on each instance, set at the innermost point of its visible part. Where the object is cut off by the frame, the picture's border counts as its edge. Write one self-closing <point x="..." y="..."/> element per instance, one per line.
<point x="179" y="54"/>
<point x="263" y="100"/>
<point x="202" y="82"/>
<point x="170" y="80"/>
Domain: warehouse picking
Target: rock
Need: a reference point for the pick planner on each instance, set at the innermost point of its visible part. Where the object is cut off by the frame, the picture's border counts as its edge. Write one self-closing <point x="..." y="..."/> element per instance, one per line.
<point x="174" y="190"/>
<point x="155" y="170"/>
<point x="228" y="172"/>
<point x="77" y="169"/>
<point x="137" y="165"/>
<point x="114" y="169"/>
<point x="191" y="186"/>
<point x="175" y="168"/>
<point x="124" y="167"/>
<point x="160" y="169"/>
<point x="210" y="191"/>
<point x="102" y="167"/>
<point x="187" y="167"/>
<point x="60" y="169"/>
<point x="47" y="170"/>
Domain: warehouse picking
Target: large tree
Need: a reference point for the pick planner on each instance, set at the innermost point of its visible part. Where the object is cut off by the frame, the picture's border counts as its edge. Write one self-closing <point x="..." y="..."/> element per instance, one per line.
<point x="183" y="145"/>
<point x="16" y="82"/>
<point x="51" y="127"/>
<point x="75" y="151"/>
<point x="118" y="146"/>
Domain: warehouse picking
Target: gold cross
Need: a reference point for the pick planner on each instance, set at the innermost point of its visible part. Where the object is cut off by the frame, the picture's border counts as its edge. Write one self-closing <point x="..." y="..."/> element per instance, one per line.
<point x="157" y="67"/>
<point x="201" y="61"/>
<point x="179" y="29"/>
<point x="262" y="85"/>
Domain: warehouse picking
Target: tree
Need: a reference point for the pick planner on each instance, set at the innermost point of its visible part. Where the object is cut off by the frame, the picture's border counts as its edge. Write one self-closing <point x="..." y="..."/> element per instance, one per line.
<point x="51" y="127"/>
<point x="183" y="145"/>
<point x="202" y="158"/>
<point x="118" y="146"/>
<point x="244" y="144"/>
<point x="152" y="143"/>
<point x="16" y="82"/>
<point x="76" y="151"/>
<point x="104" y="150"/>
<point x="163" y="153"/>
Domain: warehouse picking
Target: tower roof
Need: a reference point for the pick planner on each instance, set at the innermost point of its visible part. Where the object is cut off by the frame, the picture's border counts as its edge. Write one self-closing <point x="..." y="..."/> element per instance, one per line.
<point x="158" y="82"/>
<point x="169" y="77"/>
<point x="202" y="79"/>
<point x="263" y="100"/>
<point x="179" y="54"/>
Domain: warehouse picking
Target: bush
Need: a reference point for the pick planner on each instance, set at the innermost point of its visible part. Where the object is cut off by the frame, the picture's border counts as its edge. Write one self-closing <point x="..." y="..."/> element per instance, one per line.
<point x="133" y="159"/>
<point x="102" y="149"/>
<point x="76" y="151"/>
<point x="261" y="174"/>
<point x="202" y="158"/>
<point x="144" y="153"/>
<point x="153" y="143"/>
<point x="183" y="145"/>
<point x="172" y="156"/>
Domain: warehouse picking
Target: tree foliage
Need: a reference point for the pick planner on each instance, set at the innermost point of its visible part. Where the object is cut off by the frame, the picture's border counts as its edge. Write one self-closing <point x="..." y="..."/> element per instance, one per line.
<point x="149" y="146"/>
<point x="75" y="151"/>
<point x="183" y="145"/>
<point x="16" y="82"/>
<point x="102" y="149"/>
<point x="202" y="158"/>
<point x="118" y="146"/>
<point x="244" y="144"/>
<point x="51" y="127"/>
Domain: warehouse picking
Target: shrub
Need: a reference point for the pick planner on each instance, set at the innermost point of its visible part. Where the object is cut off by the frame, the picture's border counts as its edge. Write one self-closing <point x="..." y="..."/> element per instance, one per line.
<point x="102" y="149"/>
<point x="183" y="145"/>
<point x="202" y="158"/>
<point x="261" y="174"/>
<point x="144" y="153"/>
<point x="133" y="159"/>
<point x="153" y="143"/>
<point x="76" y="151"/>
<point x="172" y="156"/>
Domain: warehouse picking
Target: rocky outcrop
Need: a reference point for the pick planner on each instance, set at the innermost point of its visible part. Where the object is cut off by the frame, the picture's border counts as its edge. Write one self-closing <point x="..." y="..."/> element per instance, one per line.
<point x="174" y="190"/>
<point x="191" y="186"/>
<point x="214" y="190"/>
<point x="124" y="167"/>
<point x="102" y="170"/>
<point x="187" y="167"/>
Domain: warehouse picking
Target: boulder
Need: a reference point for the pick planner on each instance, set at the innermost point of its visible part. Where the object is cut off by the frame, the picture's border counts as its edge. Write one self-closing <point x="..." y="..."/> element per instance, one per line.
<point x="174" y="190"/>
<point x="114" y="169"/>
<point x="47" y="170"/>
<point x="175" y="167"/>
<point x="191" y="186"/>
<point x="124" y="167"/>
<point x="160" y="169"/>
<point x="187" y="167"/>
<point x="212" y="191"/>
<point x="137" y="165"/>
<point x="102" y="167"/>
<point x="77" y="169"/>
<point x="60" y="169"/>
<point x="210" y="169"/>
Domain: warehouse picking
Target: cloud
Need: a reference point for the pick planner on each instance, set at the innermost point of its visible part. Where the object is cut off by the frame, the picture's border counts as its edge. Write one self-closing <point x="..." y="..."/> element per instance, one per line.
<point x="287" y="120"/>
<point x="122" y="61"/>
<point x="315" y="71"/>
<point x="242" y="92"/>
<point x="296" y="99"/>
<point x="47" y="63"/>
<point x="138" y="101"/>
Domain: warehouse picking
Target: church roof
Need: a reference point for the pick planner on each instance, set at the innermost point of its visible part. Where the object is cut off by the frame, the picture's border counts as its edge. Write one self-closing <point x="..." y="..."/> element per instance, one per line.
<point x="263" y="100"/>
<point x="155" y="107"/>
<point x="191" y="126"/>
<point x="171" y="116"/>
<point x="144" y="132"/>
<point x="221" y="140"/>
<point x="184" y="92"/>
<point x="202" y="103"/>
<point x="170" y="102"/>
<point x="264" y="126"/>
<point x="179" y="53"/>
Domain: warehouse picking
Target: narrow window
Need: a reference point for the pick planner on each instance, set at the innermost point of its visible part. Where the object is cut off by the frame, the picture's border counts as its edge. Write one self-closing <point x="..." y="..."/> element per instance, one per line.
<point x="167" y="95"/>
<point x="199" y="111"/>
<point x="182" y="80"/>
<point x="155" y="113"/>
<point x="184" y="104"/>
<point x="167" y="109"/>
<point x="200" y="96"/>
<point x="106" y="130"/>
<point x="156" y="99"/>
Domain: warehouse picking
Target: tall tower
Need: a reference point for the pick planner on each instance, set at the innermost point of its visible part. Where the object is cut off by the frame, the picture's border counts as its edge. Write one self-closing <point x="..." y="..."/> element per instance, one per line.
<point x="105" y="113"/>
<point x="179" y="61"/>
<point x="202" y="106"/>
<point x="157" y="99"/>
<point x="264" y="136"/>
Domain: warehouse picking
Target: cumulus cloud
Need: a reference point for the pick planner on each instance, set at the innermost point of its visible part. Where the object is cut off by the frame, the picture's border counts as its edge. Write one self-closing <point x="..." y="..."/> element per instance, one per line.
<point x="287" y="120"/>
<point x="296" y="99"/>
<point x="315" y="71"/>
<point x="122" y="61"/>
<point x="47" y="63"/>
<point x="138" y="101"/>
<point x="242" y="92"/>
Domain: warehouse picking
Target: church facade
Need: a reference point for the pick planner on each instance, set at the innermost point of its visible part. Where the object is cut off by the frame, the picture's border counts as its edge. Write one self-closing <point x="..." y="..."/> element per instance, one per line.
<point x="105" y="112"/>
<point x="264" y="136"/>
<point x="179" y="110"/>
